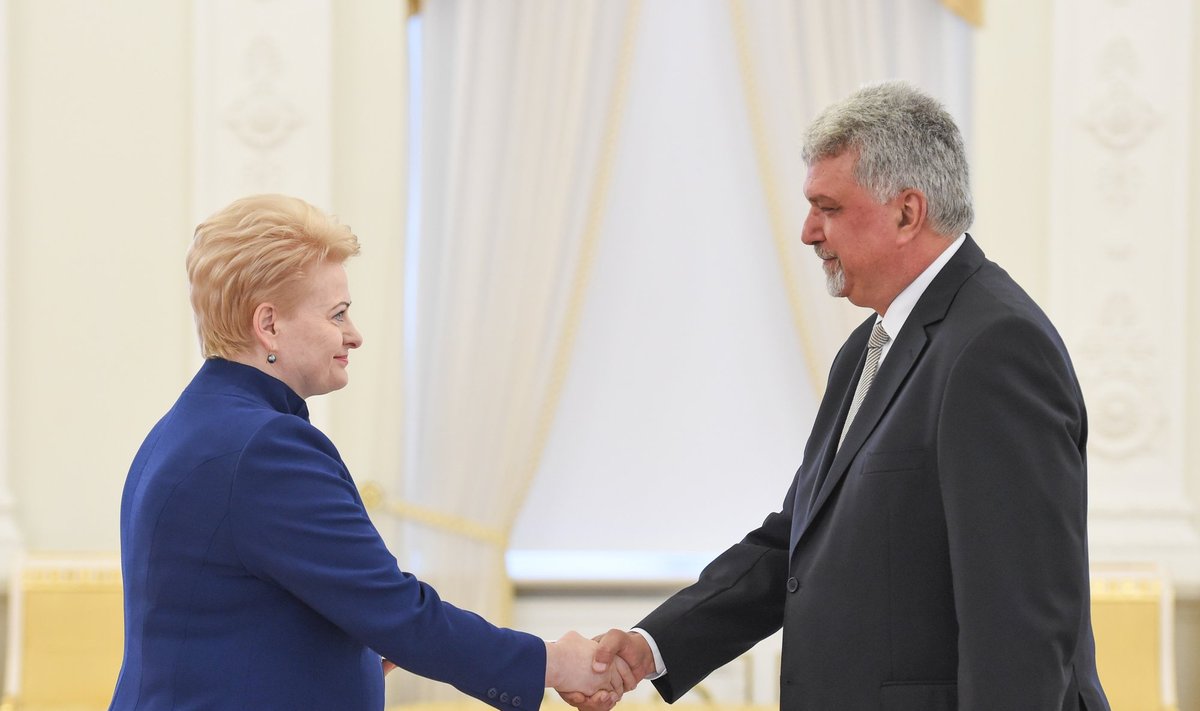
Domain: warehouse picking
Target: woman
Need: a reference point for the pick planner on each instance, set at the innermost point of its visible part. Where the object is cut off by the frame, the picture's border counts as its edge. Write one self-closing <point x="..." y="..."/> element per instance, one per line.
<point x="253" y="577"/>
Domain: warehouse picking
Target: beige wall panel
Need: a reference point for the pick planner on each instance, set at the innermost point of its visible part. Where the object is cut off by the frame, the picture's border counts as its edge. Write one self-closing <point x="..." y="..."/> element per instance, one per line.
<point x="98" y="223"/>
<point x="1010" y="155"/>
<point x="369" y="183"/>
<point x="10" y="534"/>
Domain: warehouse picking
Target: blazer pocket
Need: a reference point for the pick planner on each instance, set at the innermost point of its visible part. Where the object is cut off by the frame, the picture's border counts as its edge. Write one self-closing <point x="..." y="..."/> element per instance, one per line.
<point x="919" y="696"/>
<point x="895" y="461"/>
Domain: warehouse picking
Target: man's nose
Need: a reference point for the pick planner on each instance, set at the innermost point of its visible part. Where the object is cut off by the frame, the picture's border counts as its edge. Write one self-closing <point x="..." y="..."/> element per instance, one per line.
<point x="810" y="232"/>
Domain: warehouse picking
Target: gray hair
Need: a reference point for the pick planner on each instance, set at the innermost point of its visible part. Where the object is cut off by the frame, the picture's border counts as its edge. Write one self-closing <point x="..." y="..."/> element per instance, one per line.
<point x="904" y="139"/>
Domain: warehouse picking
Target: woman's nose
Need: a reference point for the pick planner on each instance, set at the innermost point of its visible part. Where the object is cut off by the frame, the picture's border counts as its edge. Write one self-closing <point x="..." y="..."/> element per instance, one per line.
<point x="353" y="338"/>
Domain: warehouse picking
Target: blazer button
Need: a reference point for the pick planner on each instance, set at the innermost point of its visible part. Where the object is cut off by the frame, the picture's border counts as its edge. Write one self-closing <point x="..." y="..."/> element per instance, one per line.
<point x="504" y="698"/>
<point x="793" y="585"/>
<point x="517" y="701"/>
<point x="492" y="693"/>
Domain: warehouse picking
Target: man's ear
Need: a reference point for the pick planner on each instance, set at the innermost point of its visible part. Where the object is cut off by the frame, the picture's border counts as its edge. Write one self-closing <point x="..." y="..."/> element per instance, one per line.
<point x="266" y="326"/>
<point x="912" y="213"/>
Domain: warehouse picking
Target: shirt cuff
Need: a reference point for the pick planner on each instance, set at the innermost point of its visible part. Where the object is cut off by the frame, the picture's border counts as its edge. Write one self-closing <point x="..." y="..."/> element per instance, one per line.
<point x="659" y="667"/>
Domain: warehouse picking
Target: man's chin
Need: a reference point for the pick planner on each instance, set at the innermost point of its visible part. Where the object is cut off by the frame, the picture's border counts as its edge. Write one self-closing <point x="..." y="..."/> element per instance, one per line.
<point x="836" y="286"/>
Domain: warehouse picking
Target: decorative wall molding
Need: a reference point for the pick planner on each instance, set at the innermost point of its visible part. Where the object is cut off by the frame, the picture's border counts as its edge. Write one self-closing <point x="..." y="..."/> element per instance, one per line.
<point x="1118" y="265"/>
<point x="1118" y="116"/>
<point x="261" y="117"/>
<point x="263" y="105"/>
<point x="263" y="100"/>
<point x="1124" y="374"/>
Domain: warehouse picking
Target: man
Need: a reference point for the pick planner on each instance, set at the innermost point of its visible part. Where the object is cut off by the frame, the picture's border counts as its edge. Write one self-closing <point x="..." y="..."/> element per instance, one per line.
<point x="931" y="553"/>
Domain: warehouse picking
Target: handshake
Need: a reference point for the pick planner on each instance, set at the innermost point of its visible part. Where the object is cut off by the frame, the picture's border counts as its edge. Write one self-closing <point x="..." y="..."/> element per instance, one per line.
<point x="592" y="674"/>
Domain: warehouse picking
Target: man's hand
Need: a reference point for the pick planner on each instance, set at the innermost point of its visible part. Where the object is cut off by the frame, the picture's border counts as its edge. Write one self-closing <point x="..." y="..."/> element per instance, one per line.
<point x="625" y="653"/>
<point x="631" y="647"/>
<point x="570" y="669"/>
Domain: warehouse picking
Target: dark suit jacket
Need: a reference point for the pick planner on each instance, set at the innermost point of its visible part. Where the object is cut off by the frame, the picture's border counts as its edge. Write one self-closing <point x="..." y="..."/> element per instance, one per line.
<point x="254" y="579"/>
<point x="938" y="560"/>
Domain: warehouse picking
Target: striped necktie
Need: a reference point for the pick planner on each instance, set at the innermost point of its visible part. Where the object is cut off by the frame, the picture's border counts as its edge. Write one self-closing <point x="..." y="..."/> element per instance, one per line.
<point x="874" y="350"/>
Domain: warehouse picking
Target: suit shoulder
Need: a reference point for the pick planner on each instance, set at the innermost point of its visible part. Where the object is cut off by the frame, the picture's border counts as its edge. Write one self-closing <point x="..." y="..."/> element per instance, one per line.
<point x="991" y="298"/>
<point x="285" y="447"/>
<point x="992" y="314"/>
<point x="282" y="429"/>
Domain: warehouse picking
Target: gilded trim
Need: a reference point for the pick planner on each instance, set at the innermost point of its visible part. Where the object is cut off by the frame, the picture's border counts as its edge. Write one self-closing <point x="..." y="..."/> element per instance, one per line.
<point x="69" y="579"/>
<point x="969" y="10"/>
<point x="374" y="497"/>
<point x="1127" y="590"/>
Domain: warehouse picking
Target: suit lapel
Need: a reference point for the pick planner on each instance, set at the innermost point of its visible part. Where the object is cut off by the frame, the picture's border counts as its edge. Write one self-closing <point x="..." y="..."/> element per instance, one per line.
<point x="906" y="350"/>
<point x="835" y="405"/>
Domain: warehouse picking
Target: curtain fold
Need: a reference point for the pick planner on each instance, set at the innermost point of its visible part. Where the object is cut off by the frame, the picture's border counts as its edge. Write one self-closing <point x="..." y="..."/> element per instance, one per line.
<point x="795" y="58"/>
<point x="522" y="105"/>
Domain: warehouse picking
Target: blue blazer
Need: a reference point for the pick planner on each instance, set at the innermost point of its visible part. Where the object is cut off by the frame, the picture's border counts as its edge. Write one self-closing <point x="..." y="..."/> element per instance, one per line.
<point x="255" y="580"/>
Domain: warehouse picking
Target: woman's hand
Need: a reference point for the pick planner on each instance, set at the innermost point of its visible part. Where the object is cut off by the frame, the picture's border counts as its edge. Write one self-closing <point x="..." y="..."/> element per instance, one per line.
<point x="569" y="669"/>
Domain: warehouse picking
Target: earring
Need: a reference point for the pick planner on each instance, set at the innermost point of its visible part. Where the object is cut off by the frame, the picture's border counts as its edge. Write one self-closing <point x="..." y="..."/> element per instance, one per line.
<point x="271" y="358"/>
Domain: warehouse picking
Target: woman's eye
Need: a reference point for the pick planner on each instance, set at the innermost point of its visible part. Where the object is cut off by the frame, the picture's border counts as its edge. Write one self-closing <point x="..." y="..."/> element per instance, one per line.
<point x="340" y="315"/>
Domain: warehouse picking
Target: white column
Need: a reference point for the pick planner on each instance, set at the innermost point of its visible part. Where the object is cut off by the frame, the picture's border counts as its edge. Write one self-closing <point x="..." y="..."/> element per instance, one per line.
<point x="263" y="106"/>
<point x="10" y="536"/>
<point x="1119" y="254"/>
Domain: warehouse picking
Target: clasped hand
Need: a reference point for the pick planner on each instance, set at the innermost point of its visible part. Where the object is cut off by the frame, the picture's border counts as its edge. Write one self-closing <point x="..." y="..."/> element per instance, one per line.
<point x="619" y="659"/>
<point x="571" y="669"/>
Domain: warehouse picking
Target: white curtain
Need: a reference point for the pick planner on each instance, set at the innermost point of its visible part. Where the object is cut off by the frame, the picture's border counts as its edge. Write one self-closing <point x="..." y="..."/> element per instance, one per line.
<point x="522" y="102"/>
<point x="798" y="56"/>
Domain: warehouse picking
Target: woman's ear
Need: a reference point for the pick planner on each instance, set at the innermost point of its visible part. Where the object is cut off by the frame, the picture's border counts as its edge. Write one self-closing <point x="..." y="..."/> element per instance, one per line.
<point x="266" y="326"/>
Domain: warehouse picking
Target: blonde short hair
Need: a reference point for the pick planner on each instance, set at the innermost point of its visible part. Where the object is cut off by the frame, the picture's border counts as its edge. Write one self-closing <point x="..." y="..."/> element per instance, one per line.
<point x="251" y="252"/>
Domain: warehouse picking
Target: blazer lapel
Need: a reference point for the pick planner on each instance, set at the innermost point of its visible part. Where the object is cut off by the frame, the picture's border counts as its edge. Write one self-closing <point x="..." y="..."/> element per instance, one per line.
<point x="901" y="358"/>
<point x="828" y="425"/>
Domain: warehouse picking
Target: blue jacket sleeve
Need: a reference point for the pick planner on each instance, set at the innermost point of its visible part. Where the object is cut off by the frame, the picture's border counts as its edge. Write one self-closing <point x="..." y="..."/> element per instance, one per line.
<point x="299" y="523"/>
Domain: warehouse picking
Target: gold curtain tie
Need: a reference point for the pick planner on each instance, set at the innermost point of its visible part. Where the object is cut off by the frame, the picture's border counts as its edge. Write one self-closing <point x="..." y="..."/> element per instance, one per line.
<point x="374" y="498"/>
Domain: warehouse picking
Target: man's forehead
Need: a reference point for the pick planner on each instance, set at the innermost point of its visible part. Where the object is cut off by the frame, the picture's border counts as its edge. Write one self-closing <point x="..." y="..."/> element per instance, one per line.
<point x="831" y="169"/>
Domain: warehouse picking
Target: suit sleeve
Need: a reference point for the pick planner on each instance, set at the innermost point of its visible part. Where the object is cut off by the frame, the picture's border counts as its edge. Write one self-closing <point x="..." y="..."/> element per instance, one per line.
<point x="737" y="601"/>
<point x="299" y="523"/>
<point x="1012" y="471"/>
